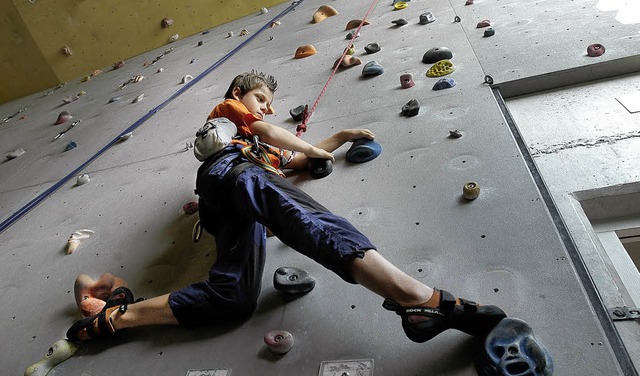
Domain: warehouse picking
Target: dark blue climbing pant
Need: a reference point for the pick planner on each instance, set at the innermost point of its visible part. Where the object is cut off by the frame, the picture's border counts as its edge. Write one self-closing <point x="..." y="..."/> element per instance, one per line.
<point x="237" y="200"/>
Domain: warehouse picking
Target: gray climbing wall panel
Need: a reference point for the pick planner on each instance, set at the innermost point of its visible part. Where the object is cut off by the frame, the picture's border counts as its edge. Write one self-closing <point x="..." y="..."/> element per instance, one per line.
<point x="500" y="249"/>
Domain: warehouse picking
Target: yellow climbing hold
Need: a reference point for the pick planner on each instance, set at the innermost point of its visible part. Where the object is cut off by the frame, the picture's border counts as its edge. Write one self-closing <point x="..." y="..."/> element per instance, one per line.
<point x="324" y="12"/>
<point x="441" y="68"/>
<point x="400" y="5"/>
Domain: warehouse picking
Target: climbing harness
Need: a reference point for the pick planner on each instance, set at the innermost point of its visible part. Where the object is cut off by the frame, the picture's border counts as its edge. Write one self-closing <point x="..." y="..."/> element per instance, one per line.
<point x="259" y="154"/>
<point x="41" y="197"/>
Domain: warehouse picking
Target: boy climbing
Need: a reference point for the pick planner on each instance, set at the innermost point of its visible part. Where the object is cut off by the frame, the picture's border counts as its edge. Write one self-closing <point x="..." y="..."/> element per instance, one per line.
<point x="241" y="195"/>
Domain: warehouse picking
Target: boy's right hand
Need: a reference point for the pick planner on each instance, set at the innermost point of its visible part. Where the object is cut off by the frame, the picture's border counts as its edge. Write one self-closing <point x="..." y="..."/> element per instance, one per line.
<point x="316" y="152"/>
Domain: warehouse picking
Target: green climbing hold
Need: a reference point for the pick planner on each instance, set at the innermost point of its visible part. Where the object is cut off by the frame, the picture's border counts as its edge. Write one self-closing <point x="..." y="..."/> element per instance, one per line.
<point x="441" y="68"/>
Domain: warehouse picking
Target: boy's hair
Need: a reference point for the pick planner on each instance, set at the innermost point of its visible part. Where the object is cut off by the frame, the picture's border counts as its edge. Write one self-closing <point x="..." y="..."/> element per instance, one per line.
<point x="251" y="80"/>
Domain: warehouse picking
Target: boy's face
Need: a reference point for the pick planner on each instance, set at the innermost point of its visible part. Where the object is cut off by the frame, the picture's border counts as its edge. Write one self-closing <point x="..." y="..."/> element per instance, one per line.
<point x="257" y="101"/>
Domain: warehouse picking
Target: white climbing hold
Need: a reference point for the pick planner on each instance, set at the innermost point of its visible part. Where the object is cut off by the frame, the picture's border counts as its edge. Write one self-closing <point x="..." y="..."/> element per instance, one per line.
<point x="74" y="240"/>
<point x="244" y="32"/>
<point x="138" y="98"/>
<point x="15" y="153"/>
<point x="264" y="11"/>
<point x="82" y="179"/>
<point x="174" y="38"/>
<point x="186" y="79"/>
<point x="230" y="34"/>
<point x="58" y="353"/>
<point x="126" y="136"/>
<point x="160" y="70"/>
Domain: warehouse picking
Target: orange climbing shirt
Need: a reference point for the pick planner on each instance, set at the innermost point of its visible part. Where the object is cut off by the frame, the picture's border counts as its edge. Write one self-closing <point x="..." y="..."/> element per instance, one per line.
<point x="235" y="111"/>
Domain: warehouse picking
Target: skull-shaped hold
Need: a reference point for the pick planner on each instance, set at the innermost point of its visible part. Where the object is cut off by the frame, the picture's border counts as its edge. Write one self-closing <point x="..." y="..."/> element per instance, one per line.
<point x="511" y="349"/>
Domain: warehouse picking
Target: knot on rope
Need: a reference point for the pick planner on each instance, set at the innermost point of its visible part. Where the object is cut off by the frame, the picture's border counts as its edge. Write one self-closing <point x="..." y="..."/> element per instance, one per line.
<point x="301" y="128"/>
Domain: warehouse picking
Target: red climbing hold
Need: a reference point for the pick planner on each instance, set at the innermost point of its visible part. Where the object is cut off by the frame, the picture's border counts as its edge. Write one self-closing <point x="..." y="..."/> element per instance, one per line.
<point x="595" y="50"/>
<point x="190" y="208"/>
<point x="63" y="117"/>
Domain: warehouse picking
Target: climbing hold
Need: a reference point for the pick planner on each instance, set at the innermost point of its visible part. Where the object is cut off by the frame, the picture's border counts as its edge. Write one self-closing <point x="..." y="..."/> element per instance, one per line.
<point x="57" y="353"/>
<point x="118" y="64"/>
<point x="96" y="72"/>
<point x="441" y="68"/>
<point x="200" y="43"/>
<point x="350" y="50"/>
<point x="595" y="50"/>
<point x="230" y="34"/>
<point x="352" y="34"/>
<point x="244" y="32"/>
<point x="85" y="78"/>
<point x="192" y="61"/>
<point x="400" y="22"/>
<point x="279" y="341"/>
<point x="126" y="136"/>
<point x="91" y="295"/>
<point x="320" y="168"/>
<point x="397" y="1"/>
<point x="436" y="54"/>
<point x="66" y="51"/>
<point x="160" y="70"/>
<point x="483" y="23"/>
<point x="298" y="113"/>
<point x="190" y="208"/>
<point x="456" y="19"/>
<point x="137" y="78"/>
<point x="113" y="99"/>
<point x="455" y="134"/>
<point x="15" y="153"/>
<point x="294" y="281"/>
<point x="468" y="2"/>
<point x="275" y="23"/>
<point x="471" y="191"/>
<point x="406" y="81"/>
<point x="264" y="10"/>
<point x="512" y="349"/>
<point x="166" y="22"/>
<point x="71" y="98"/>
<point x="63" y="117"/>
<point x="355" y="23"/>
<point x="427" y="18"/>
<point x="82" y="180"/>
<point x="74" y="240"/>
<point x="372" y="68"/>
<point x="174" y="38"/>
<point x="305" y="51"/>
<point x="82" y="92"/>
<point x="363" y="150"/>
<point x="372" y="48"/>
<point x="348" y="61"/>
<point x="138" y="98"/>
<point x="444" y="83"/>
<point x="324" y="12"/>
<point x="411" y="108"/>
<point x="400" y="5"/>
<point x="489" y="32"/>
<point x="488" y="80"/>
<point x="70" y="145"/>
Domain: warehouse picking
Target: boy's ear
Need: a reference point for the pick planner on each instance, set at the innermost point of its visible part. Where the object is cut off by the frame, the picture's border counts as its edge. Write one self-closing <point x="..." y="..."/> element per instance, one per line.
<point x="237" y="93"/>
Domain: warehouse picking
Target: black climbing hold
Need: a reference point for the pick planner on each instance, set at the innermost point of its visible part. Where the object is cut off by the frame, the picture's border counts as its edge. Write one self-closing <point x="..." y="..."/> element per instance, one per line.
<point x="400" y="22"/>
<point x="298" y="113"/>
<point x="455" y="134"/>
<point x="411" y="108"/>
<point x="372" y="68"/>
<point x="372" y="48"/>
<point x="321" y="168"/>
<point x="456" y="19"/>
<point x="444" y="83"/>
<point x="489" y="32"/>
<point x="200" y="43"/>
<point x="488" y="80"/>
<point x="436" y="54"/>
<point x="293" y="281"/>
<point x="352" y="34"/>
<point x="427" y="18"/>
<point x="363" y="150"/>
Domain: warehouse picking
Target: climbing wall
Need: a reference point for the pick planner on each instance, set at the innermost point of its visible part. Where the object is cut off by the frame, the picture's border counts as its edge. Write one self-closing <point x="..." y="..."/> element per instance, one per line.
<point x="501" y="248"/>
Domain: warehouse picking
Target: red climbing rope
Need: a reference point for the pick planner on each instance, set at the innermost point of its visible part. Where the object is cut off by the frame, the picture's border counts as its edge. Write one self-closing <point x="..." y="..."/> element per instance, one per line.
<point x="307" y="114"/>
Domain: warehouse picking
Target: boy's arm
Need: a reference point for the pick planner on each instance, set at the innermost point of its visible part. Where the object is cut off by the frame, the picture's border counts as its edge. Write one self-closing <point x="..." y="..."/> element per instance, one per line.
<point x="301" y="161"/>
<point x="281" y="138"/>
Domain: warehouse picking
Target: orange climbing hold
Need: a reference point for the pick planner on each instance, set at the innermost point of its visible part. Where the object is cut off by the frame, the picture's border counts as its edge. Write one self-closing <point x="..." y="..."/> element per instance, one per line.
<point x="355" y="23"/>
<point x="324" y="12"/>
<point x="305" y="51"/>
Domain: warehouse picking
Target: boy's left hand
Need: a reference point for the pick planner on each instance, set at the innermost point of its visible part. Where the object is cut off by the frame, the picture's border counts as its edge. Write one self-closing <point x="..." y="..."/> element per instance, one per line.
<point x="354" y="134"/>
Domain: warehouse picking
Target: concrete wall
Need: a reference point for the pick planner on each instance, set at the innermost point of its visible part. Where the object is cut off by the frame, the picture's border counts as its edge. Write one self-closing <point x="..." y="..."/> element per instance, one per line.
<point x="98" y="33"/>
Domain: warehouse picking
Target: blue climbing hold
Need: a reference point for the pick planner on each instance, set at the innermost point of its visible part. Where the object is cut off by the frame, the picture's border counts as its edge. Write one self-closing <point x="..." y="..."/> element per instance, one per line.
<point x="444" y="83"/>
<point x="372" y="68"/>
<point x="363" y="150"/>
<point x="70" y="145"/>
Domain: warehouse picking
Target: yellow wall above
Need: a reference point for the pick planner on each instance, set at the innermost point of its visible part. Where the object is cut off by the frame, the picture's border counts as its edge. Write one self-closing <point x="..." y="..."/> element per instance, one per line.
<point x="98" y="33"/>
